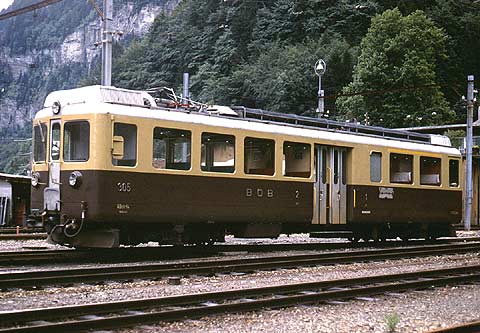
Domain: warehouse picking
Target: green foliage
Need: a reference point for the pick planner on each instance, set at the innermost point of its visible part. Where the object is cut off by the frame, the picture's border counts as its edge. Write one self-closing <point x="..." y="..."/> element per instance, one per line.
<point x="261" y="55"/>
<point x="15" y="152"/>
<point x="411" y="63"/>
<point x="392" y="321"/>
<point x="35" y="35"/>
<point x="282" y="79"/>
<point x="461" y="22"/>
<point x="456" y="137"/>
<point x="242" y="53"/>
<point x="398" y="66"/>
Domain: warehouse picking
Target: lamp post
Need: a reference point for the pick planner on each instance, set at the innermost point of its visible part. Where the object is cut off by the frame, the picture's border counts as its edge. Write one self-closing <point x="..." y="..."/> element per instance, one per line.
<point x="320" y="67"/>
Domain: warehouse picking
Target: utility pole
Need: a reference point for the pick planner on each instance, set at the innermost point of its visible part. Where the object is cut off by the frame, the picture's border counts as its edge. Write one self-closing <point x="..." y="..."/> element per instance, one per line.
<point x="107" y="42"/>
<point x="468" y="174"/>
<point x="107" y="31"/>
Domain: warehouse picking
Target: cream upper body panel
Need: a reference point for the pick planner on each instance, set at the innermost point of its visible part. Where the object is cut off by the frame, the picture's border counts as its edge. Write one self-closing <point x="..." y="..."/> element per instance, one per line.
<point x="318" y="135"/>
<point x="88" y="105"/>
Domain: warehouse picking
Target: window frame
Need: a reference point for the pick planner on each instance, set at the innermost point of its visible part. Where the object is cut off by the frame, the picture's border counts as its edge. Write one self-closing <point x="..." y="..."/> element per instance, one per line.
<point x="228" y="169"/>
<point x="380" y="178"/>
<point x="412" y="170"/>
<point x="64" y="144"/>
<point x="188" y="165"/>
<point x="457" y="161"/>
<point x="309" y="159"/>
<point x="116" y="161"/>
<point x="53" y="135"/>
<point x="246" y="158"/>
<point x="43" y="132"/>
<point x="422" y="168"/>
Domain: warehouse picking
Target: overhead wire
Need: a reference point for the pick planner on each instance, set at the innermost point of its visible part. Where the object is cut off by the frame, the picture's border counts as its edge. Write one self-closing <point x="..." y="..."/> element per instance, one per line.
<point x="31" y="8"/>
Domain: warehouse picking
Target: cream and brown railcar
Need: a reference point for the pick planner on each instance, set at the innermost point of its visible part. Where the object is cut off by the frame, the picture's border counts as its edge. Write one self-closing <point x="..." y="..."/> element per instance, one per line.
<point x="111" y="167"/>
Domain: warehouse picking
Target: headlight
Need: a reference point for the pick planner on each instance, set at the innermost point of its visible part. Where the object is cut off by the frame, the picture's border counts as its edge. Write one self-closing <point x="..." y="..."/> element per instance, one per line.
<point x="75" y="179"/>
<point x="56" y="107"/>
<point x="35" y="179"/>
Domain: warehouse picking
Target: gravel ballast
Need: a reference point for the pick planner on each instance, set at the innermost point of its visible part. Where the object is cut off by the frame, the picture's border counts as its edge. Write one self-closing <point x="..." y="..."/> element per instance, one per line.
<point x="416" y="311"/>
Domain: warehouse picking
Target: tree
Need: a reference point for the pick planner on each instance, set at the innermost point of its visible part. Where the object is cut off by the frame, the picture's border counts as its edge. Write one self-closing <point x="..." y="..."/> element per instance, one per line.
<point x="397" y="73"/>
<point x="282" y="79"/>
<point x="461" y="21"/>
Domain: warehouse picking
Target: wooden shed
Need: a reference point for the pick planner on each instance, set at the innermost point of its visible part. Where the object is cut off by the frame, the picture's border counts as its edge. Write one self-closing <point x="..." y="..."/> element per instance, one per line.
<point x="14" y="199"/>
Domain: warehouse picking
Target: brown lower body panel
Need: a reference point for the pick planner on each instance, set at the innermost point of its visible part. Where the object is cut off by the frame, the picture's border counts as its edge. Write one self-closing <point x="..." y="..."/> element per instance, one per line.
<point x="382" y="204"/>
<point x="130" y="197"/>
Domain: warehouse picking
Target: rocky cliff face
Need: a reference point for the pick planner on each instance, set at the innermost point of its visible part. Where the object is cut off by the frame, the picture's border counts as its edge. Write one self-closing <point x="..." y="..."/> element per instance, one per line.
<point x="26" y="76"/>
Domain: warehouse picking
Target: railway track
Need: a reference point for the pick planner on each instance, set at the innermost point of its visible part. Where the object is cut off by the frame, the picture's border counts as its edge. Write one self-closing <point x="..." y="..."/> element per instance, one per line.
<point x="20" y="233"/>
<point x="473" y="326"/>
<point x="42" y="256"/>
<point x="37" y="279"/>
<point x="154" y="310"/>
<point x="21" y="230"/>
<point x="22" y="236"/>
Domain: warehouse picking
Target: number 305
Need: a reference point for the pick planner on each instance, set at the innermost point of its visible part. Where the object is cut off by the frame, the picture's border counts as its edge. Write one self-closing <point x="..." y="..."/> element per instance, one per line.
<point x="123" y="187"/>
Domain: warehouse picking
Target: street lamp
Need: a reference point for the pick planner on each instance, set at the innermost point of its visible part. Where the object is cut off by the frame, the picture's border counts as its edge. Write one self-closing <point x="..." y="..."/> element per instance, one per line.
<point x="320" y="67"/>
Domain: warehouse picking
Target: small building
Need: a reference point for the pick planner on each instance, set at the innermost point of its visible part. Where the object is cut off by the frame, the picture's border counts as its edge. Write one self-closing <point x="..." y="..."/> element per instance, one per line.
<point x="14" y="199"/>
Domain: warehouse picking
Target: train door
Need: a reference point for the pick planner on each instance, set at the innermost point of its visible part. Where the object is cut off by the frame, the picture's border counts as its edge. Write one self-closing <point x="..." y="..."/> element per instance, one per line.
<point x="6" y="191"/>
<point x="52" y="192"/>
<point x="330" y="185"/>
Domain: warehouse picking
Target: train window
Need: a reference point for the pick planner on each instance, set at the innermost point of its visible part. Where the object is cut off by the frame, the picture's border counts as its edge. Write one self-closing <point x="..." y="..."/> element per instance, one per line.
<point x="401" y="168"/>
<point x="218" y="153"/>
<point x="129" y="134"/>
<point x="344" y="167"/>
<point x="430" y="170"/>
<point x="453" y="174"/>
<point x="259" y="156"/>
<point x="55" y="144"/>
<point x="171" y="148"/>
<point x="375" y="167"/>
<point x="39" y="143"/>
<point x="76" y="141"/>
<point x="297" y="159"/>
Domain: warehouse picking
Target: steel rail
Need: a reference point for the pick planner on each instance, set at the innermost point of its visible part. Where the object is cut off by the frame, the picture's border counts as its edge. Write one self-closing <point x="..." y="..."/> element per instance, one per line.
<point x="20" y="230"/>
<point x="23" y="236"/>
<point x="148" y="311"/>
<point x="162" y="252"/>
<point x="210" y="267"/>
<point x="469" y="327"/>
<point x="133" y="254"/>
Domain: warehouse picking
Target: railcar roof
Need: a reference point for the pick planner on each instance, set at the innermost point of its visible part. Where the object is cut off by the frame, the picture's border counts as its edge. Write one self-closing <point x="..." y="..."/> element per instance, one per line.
<point x="89" y="100"/>
<point x="14" y="178"/>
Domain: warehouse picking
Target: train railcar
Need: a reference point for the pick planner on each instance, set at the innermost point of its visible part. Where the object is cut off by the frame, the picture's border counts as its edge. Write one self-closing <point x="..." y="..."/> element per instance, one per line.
<point x="111" y="166"/>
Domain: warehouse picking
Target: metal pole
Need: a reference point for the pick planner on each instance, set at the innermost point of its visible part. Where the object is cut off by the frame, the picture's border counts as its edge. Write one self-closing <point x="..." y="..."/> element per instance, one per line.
<point x="320" y="97"/>
<point x="468" y="174"/>
<point x="107" y="43"/>
<point x="186" y="93"/>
